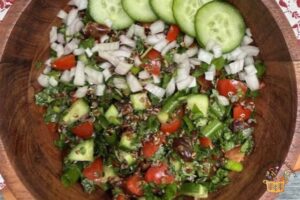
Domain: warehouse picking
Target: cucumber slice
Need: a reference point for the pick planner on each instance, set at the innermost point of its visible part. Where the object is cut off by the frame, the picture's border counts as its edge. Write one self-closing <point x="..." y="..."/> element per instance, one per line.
<point x="112" y="115"/>
<point x="139" y="10"/>
<point x="184" y="12"/>
<point x="103" y="11"/>
<point x="199" y="100"/>
<point x="163" y="10"/>
<point x="84" y="151"/>
<point x="78" y="109"/>
<point x="194" y="190"/>
<point x="108" y="172"/>
<point x="163" y="117"/>
<point x="220" y="22"/>
<point x="128" y="158"/>
<point x="140" y="101"/>
<point x="128" y="141"/>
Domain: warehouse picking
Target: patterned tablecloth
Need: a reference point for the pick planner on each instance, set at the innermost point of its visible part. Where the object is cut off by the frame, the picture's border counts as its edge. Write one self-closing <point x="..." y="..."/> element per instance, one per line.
<point x="291" y="8"/>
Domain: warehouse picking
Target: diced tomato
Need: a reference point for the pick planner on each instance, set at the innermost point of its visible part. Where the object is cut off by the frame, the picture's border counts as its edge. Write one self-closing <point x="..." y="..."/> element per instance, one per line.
<point x="240" y="113"/>
<point x="121" y="197"/>
<point x="227" y="87"/>
<point x="94" y="171"/>
<point x="159" y="175"/>
<point x="173" y="33"/>
<point x="235" y="154"/>
<point x="52" y="127"/>
<point x="133" y="185"/>
<point x="171" y="127"/>
<point x="84" y="130"/>
<point x="206" y="142"/>
<point x="64" y="63"/>
<point x="153" y="55"/>
<point x="151" y="147"/>
<point x="153" y="67"/>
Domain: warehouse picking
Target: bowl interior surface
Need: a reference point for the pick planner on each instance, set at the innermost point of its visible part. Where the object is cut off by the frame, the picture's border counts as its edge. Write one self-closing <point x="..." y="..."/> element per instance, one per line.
<point x="29" y="144"/>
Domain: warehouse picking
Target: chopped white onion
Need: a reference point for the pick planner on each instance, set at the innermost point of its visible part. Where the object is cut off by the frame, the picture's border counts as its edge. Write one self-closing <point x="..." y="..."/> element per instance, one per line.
<point x="191" y="52"/>
<point x="171" y="87"/>
<point x="104" y="38"/>
<point x="74" y="27"/>
<point x="170" y="46"/>
<point x="155" y="90"/>
<point x="53" y="82"/>
<point x="48" y="62"/>
<point x="120" y="83"/>
<point x="71" y="46"/>
<point x="211" y="73"/>
<point x="108" y="23"/>
<point x="160" y="45"/>
<point x="130" y="31"/>
<point x="250" y="50"/>
<point x="236" y="66"/>
<point x="194" y="83"/>
<point x="157" y="27"/>
<point x="185" y="83"/>
<point x="205" y="56"/>
<point x="247" y="40"/>
<point x="248" y="32"/>
<point x="133" y="83"/>
<point x="79" y="74"/>
<point x="139" y="31"/>
<point x="107" y="46"/>
<point x="250" y="69"/>
<point x="105" y="65"/>
<point x="217" y="51"/>
<point x="154" y="39"/>
<point x="94" y="76"/>
<point x="242" y="76"/>
<point x="81" y="92"/>
<point x="107" y="74"/>
<point x="66" y="76"/>
<point x="80" y="4"/>
<point x="227" y="69"/>
<point x="59" y="50"/>
<point x="43" y="80"/>
<point x="62" y="14"/>
<point x="107" y="56"/>
<point x="223" y="100"/>
<point x="137" y="61"/>
<point x="234" y="54"/>
<point x="144" y="75"/>
<point x="156" y="79"/>
<point x="249" y="60"/>
<point x="185" y="64"/>
<point x="53" y="34"/>
<point x="47" y="70"/>
<point x="195" y="61"/>
<point x="179" y="58"/>
<point x="127" y="41"/>
<point x="252" y="82"/>
<point x="188" y="40"/>
<point x="182" y="73"/>
<point x="100" y="90"/>
<point x="60" y="38"/>
<point x="71" y="16"/>
<point x="121" y="53"/>
<point x="123" y="68"/>
<point x="78" y="52"/>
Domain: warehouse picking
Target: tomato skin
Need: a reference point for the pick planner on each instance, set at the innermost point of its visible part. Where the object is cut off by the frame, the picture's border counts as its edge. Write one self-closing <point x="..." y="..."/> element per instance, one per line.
<point x="121" y="197"/>
<point x="150" y="148"/>
<point x="173" y="33"/>
<point x="240" y="113"/>
<point x="133" y="185"/>
<point x="235" y="154"/>
<point x="94" y="171"/>
<point x="153" y="67"/>
<point x="159" y="175"/>
<point x="153" y="55"/>
<point x="226" y="87"/>
<point x="205" y="142"/>
<point x="171" y="127"/>
<point x="84" y="130"/>
<point x="64" y="63"/>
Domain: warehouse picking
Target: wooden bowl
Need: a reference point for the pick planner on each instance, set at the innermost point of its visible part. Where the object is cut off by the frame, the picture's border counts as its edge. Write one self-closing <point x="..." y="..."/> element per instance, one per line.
<point x="32" y="165"/>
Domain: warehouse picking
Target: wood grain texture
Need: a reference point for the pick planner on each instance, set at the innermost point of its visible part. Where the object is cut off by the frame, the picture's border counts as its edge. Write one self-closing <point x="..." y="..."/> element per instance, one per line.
<point x="31" y="164"/>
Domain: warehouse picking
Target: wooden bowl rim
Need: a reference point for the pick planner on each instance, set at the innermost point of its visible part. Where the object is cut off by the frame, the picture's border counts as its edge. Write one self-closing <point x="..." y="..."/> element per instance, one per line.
<point x="18" y="188"/>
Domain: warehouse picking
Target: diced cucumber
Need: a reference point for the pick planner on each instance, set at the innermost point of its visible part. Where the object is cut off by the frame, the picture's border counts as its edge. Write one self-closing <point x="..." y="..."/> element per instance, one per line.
<point x="163" y="117"/>
<point x="78" y="109"/>
<point x="234" y="166"/>
<point x="175" y="165"/>
<point x="128" y="141"/>
<point x="139" y="10"/>
<point x="108" y="172"/>
<point x="84" y="151"/>
<point x="212" y="128"/>
<point x="163" y="10"/>
<point x="112" y="115"/>
<point x="200" y="101"/>
<point x="106" y="11"/>
<point x="83" y="58"/>
<point x="127" y="157"/>
<point x="220" y="22"/>
<point x="194" y="190"/>
<point x="184" y="13"/>
<point x="140" y="101"/>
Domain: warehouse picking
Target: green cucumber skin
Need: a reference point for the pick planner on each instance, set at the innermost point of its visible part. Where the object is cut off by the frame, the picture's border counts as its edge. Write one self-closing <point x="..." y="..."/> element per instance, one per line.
<point x="168" y="18"/>
<point x="138" y="12"/>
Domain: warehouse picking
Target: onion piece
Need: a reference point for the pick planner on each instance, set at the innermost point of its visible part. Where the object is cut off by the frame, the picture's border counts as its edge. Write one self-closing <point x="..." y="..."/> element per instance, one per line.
<point x="170" y="46"/>
<point x="161" y="45"/>
<point x="89" y="52"/>
<point x="79" y="74"/>
<point x="81" y="92"/>
<point x="223" y="100"/>
<point x="43" y="80"/>
<point x="252" y="82"/>
<point x="144" y="75"/>
<point x="122" y="53"/>
<point x="133" y="83"/>
<point x="154" y="39"/>
<point x="123" y="68"/>
<point x="71" y="46"/>
<point x="66" y="76"/>
<point x="157" y="27"/>
<point x="107" y="74"/>
<point x="127" y="41"/>
<point x="185" y="83"/>
<point x="139" y="31"/>
<point x="156" y="79"/>
<point x="250" y="70"/>
<point x="248" y="32"/>
<point x="60" y="38"/>
<point x="205" y="56"/>
<point x="71" y="16"/>
<point x="250" y="50"/>
<point x="53" y="34"/>
<point x="80" y="4"/>
<point x="236" y="66"/>
<point x="249" y="60"/>
<point x="171" y="87"/>
<point x="47" y="70"/>
<point x="179" y="58"/>
<point x="62" y="15"/>
<point x="188" y="40"/>
<point x="130" y="31"/>
<point x="137" y="61"/>
<point x="195" y="61"/>
<point x="242" y="76"/>
<point x="107" y="56"/>
<point x="234" y="54"/>
<point x="191" y="52"/>
<point x="247" y="40"/>
<point x="100" y="90"/>
<point x="120" y="83"/>
<point x="94" y="76"/>
<point x="217" y="51"/>
<point x="155" y="90"/>
<point x="53" y="82"/>
<point x="107" y="46"/>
